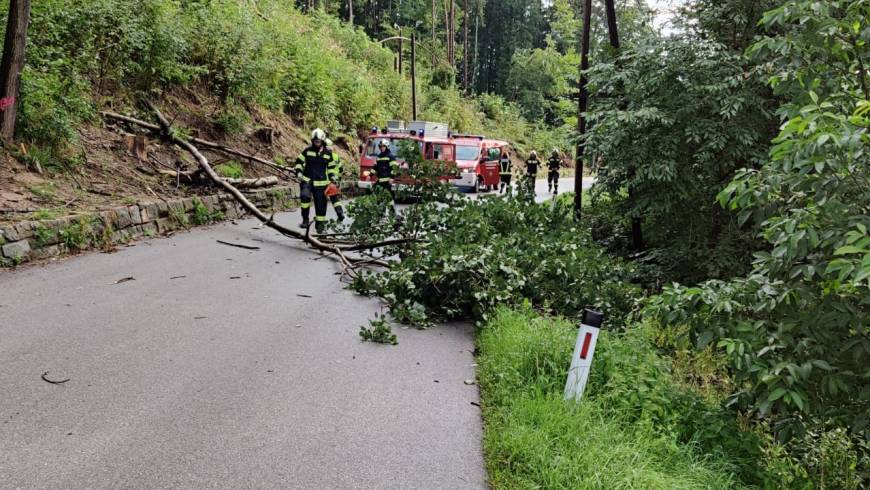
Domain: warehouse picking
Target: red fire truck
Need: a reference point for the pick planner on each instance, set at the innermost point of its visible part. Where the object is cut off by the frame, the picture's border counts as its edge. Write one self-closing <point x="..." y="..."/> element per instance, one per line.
<point x="433" y="139"/>
<point x="477" y="161"/>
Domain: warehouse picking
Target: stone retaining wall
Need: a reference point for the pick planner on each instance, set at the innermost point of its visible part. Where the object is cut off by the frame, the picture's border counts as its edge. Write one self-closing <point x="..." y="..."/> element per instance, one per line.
<point x="35" y="240"/>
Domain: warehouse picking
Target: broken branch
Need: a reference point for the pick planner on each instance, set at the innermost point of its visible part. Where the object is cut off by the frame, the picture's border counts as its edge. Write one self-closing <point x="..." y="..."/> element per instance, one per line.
<point x="239" y="245"/>
<point x="205" y="143"/>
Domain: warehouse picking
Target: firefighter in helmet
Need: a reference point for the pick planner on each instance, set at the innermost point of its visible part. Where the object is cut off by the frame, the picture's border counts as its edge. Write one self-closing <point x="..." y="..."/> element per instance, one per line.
<point x="554" y="163"/>
<point x="532" y="164"/>
<point x="385" y="167"/>
<point x="505" y="171"/>
<point x="312" y="167"/>
<point x="335" y="171"/>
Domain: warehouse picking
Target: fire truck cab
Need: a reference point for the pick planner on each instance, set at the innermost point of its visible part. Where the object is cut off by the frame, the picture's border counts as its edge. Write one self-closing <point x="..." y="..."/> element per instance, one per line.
<point x="477" y="164"/>
<point x="432" y="138"/>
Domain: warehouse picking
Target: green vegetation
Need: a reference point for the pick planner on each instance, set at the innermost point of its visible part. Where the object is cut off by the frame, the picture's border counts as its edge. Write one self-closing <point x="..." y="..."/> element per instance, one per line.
<point x="763" y="366"/>
<point x="202" y="215"/>
<point x="44" y="234"/>
<point x="378" y="331"/>
<point x="231" y="169"/>
<point x="626" y="432"/>
<point x="315" y="68"/>
<point x="476" y="254"/>
<point x="740" y="351"/>
<point x="79" y="233"/>
<point x="176" y="212"/>
<point x="44" y="192"/>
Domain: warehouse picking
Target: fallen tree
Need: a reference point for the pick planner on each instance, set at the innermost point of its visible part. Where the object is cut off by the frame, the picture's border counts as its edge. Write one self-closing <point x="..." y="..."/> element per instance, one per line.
<point x="284" y="171"/>
<point x="350" y="264"/>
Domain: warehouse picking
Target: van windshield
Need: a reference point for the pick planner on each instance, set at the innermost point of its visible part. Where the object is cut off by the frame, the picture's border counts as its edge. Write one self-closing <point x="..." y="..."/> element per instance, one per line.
<point x="467" y="152"/>
<point x="373" y="151"/>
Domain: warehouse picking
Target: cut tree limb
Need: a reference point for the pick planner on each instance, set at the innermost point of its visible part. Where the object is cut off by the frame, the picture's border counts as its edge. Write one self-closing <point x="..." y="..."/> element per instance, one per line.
<point x="348" y="263"/>
<point x="254" y="183"/>
<point x="205" y="143"/>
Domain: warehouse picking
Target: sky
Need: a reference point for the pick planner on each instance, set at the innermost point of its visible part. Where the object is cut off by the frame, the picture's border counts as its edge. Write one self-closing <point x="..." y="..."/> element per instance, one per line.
<point x="665" y="10"/>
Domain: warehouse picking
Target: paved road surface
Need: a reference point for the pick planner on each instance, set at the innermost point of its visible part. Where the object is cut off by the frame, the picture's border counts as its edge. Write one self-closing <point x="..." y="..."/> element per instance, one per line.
<point x="209" y="381"/>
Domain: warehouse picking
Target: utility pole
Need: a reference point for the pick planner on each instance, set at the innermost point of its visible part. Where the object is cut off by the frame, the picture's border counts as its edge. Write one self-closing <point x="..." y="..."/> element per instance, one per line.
<point x="452" y="34"/>
<point x="414" y="75"/>
<point x="11" y="66"/>
<point x="350" y="12"/>
<point x="434" y="39"/>
<point x="400" y="51"/>
<point x="465" y="50"/>
<point x="636" y="223"/>
<point x="581" y="117"/>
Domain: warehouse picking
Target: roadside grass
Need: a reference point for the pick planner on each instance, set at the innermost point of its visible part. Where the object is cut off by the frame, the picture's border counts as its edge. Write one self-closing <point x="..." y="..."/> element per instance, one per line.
<point x="534" y="439"/>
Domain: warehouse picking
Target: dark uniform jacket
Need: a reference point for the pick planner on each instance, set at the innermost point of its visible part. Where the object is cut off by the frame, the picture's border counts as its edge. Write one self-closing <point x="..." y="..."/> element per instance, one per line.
<point x="505" y="166"/>
<point x="384" y="166"/>
<point x="554" y="164"/>
<point x="314" y="164"/>
<point x="532" y="166"/>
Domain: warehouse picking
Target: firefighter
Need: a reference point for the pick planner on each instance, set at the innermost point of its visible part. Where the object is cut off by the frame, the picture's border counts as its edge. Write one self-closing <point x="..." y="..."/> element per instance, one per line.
<point x="312" y="167"/>
<point x="554" y="163"/>
<point x="532" y="164"/>
<point x="385" y="167"/>
<point x="335" y="171"/>
<point x="505" y="170"/>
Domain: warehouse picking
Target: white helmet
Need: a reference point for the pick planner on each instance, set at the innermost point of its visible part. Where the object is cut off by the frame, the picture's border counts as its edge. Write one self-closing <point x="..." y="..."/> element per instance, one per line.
<point x="328" y="142"/>
<point x="318" y="134"/>
<point x="384" y="142"/>
<point x="555" y="151"/>
<point x="533" y="154"/>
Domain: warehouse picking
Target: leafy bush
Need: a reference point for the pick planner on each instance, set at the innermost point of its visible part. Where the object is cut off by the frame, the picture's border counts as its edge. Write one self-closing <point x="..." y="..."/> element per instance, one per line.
<point x="795" y="328"/>
<point x="683" y="117"/>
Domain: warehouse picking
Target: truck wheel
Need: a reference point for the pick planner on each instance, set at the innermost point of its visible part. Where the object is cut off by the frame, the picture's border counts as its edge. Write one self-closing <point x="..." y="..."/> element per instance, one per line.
<point x="479" y="187"/>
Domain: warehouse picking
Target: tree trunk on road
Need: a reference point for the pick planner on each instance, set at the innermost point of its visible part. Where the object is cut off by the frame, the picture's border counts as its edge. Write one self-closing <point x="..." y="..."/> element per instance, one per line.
<point x="11" y="66"/>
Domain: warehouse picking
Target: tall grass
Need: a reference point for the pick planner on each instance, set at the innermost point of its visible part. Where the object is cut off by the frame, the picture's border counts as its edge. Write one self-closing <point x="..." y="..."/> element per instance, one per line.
<point x="534" y="439"/>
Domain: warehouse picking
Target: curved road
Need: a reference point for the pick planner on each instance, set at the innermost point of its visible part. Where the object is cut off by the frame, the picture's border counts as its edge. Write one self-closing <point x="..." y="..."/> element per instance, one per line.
<point x="222" y="367"/>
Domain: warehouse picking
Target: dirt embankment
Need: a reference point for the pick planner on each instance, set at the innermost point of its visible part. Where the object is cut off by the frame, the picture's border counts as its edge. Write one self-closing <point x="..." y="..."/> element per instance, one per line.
<point x="122" y="165"/>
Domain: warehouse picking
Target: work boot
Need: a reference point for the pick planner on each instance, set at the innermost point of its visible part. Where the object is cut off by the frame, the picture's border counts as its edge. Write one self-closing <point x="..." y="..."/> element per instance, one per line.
<point x="319" y="226"/>
<point x="340" y="214"/>
<point x="305" y="223"/>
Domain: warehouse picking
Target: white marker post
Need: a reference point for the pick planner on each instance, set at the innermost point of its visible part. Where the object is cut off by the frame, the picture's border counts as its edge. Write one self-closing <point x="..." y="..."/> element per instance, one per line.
<point x="581" y="361"/>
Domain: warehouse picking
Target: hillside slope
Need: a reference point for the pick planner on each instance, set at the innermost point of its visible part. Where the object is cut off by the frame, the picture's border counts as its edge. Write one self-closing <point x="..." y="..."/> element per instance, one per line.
<point x="224" y="69"/>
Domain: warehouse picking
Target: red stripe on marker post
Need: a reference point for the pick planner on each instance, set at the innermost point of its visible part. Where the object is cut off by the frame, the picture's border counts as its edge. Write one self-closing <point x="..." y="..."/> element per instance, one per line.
<point x="586" y="341"/>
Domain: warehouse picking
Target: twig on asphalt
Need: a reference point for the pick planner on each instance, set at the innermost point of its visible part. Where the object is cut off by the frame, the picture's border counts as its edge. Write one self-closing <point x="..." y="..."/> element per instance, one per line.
<point x="246" y="247"/>
<point x="52" y="381"/>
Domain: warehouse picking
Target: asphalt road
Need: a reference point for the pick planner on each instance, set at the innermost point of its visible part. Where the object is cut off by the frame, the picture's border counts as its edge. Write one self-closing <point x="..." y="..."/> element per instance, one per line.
<point x="210" y="381"/>
<point x="221" y="367"/>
